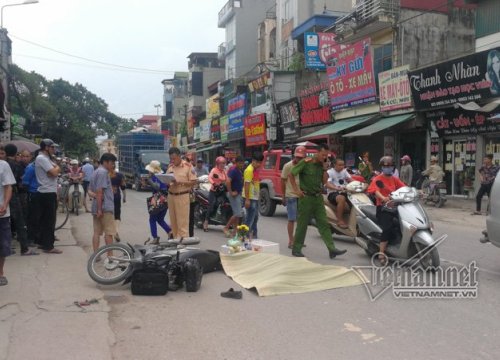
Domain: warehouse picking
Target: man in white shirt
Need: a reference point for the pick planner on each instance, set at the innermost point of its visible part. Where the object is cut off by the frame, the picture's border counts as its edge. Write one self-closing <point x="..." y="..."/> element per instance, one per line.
<point x="7" y="180"/>
<point x="338" y="178"/>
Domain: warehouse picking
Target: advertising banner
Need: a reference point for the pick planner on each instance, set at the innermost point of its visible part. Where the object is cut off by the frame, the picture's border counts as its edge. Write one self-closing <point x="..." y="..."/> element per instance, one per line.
<point x="255" y="130"/>
<point x="317" y="49"/>
<point x="289" y="118"/>
<point x="259" y="83"/>
<point x="213" y="106"/>
<point x="215" y="130"/>
<point x="314" y="106"/>
<point x="351" y="75"/>
<point x="394" y="89"/>
<point x="460" y="122"/>
<point x="474" y="77"/>
<point x="224" y="128"/>
<point x="205" y="130"/>
<point x="196" y="136"/>
<point x="237" y="111"/>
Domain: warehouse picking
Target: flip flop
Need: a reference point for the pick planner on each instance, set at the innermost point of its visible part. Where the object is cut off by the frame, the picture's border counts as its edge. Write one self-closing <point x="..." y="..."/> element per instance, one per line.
<point x="3" y="281"/>
<point x="53" y="251"/>
<point x="30" y="252"/>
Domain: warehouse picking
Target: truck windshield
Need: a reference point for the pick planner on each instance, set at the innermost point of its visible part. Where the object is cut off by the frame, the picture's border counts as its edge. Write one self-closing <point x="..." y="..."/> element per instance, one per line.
<point x="162" y="157"/>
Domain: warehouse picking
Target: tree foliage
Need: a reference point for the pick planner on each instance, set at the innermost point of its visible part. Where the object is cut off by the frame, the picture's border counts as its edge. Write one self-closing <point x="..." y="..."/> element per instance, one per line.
<point x="67" y="113"/>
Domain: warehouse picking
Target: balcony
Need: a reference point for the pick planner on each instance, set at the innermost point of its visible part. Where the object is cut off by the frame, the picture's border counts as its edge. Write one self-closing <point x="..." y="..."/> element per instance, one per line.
<point x="221" y="54"/>
<point x="368" y="17"/>
<point x="227" y="12"/>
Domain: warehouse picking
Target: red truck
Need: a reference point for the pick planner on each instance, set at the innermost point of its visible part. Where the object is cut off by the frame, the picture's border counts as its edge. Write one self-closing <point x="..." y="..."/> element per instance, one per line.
<point x="270" y="178"/>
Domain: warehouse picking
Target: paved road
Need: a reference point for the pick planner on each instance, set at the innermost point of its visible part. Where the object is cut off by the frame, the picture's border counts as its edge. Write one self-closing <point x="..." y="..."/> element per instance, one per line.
<point x="341" y="323"/>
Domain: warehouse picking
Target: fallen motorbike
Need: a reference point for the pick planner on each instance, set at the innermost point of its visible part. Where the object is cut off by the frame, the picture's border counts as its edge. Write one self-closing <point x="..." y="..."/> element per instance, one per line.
<point x="222" y="209"/>
<point x="112" y="264"/>
<point x="434" y="192"/>
<point x="354" y="191"/>
<point x="413" y="226"/>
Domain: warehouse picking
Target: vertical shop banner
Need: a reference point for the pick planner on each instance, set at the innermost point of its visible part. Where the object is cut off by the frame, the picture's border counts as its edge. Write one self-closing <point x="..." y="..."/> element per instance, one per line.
<point x="215" y="130"/>
<point x="394" y="89"/>
<point x="350" y="74"/>
<point x="318" y="49"/>
<point x="205" y="130"/>
<point x="224" y="128"/>
<point x="474" y="77"/>
<point x="255" y="130"/>
<point x="314" y="106"/>
<point x="289" y="118"/>
<point x="196" y="132"/>
<point x="389" y="145"/>
<point x="213" y="106"/>
<point x="236" y="111"/>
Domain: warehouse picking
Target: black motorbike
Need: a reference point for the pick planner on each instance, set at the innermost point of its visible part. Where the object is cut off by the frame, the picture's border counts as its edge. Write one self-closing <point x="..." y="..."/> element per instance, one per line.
<point x="222" y="211"/>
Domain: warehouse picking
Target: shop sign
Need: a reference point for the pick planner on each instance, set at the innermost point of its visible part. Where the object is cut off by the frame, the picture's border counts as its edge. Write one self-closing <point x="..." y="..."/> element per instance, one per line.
<point x="215" y="130"/>
<point x="389" y="145"/>
<point x="259" y="83"/>
<point x="255" y="130"/>
<point x="205" y="130"/>
<point x="350" y="75"/>
<point x="230" y="155"/>
<point x="224" y="128"/>
<point x="236" y="110"/>
<point x="469" y="78"/>
<point x="196" y="132"/>
<point x="394" y="89"/>
<point x="213" y="106"/>
<point x="314" y="109"/>
<point x="460" y="122"/>
<point x="289" y="118"/>
<point x="318" y="49"/>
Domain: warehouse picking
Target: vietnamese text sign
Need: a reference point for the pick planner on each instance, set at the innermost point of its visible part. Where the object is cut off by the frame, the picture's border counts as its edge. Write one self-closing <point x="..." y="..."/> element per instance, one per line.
<point x="350" y="75"/>
<point x="289" y="118"/>
<point x="236" y="111"/>
<point x="394" y="89"/>
<point x="460" y="122"/>
<point x="255" y="130"/>
<point x="224" y="128"/>
<point x="212" y="106"/>
<point x="314" y="107"/>
<point x="470" y="78"/>
<point x="215" y="130"/>
<point x="205" y="130"/>
<point x="317" y="49"/>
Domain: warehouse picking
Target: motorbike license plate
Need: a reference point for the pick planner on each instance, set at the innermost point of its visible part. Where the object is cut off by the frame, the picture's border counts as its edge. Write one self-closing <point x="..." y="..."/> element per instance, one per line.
<point x="442" y="191"/>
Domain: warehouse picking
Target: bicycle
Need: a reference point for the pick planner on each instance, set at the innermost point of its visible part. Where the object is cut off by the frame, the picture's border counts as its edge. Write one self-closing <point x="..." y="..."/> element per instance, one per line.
<point x="63" y="186"/>
<point x="75" y="197"/>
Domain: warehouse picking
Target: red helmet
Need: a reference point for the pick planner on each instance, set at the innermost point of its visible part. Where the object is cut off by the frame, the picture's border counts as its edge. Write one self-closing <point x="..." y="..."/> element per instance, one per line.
<point x="406" y="158"/>
<point x="220" y="160"/>
<point x="300" y="151"/>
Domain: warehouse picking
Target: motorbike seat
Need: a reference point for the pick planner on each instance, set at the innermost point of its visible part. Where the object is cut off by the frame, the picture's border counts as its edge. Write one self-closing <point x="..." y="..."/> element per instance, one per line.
<point x="370" y="211"/>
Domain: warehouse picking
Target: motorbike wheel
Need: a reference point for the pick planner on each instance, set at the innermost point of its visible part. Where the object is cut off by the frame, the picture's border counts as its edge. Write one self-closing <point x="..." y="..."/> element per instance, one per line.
<point x="440" y="202"/>
<point x="431" y="261"/>
<point x="193" y="273"/>
<point x="199" y="216"/>
<point x="108" y="272"/>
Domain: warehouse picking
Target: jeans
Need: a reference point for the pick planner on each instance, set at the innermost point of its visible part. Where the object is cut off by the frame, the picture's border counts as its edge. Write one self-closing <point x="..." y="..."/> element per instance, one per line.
<point x="160" y="220"/>
<point x="211" y="205"/>
<point x="484" y="189"/>
<point x="34" y="214"/>
<point x="48" y="204"/>
<point x="252" y="217"/>
<point x="17" y="215"/>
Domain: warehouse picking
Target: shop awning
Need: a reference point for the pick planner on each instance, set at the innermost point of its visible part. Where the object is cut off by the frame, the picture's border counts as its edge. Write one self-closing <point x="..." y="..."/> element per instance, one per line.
<point x="380" y="125"/>
<point x="337" y="127"/>
<point x="208" y="148"/>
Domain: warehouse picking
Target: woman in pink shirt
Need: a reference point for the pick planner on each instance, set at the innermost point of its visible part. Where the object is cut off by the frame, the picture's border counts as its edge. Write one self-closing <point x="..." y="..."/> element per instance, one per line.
<point x="216" y="177"/>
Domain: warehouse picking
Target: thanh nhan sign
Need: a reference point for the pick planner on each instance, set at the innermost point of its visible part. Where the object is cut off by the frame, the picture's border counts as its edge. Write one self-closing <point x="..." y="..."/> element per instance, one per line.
<point x="255" y="130"/>
<point x="474" y="77"/>
<point x="394" y="89"/>
<point x="350" y="75"/>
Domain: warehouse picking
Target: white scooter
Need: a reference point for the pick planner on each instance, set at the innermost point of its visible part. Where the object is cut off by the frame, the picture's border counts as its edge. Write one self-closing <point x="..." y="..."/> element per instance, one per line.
<point x="415" y="241"/>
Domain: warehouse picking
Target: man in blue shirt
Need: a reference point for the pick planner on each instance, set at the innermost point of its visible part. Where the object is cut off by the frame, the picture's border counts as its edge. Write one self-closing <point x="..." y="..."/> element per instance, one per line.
<point x="34" y="211"/>
<point x="234" y="185"/>
<point x="88" y="170"/>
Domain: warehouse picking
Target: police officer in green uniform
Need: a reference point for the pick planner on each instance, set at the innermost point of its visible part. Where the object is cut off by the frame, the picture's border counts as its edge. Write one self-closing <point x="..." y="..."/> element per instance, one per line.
<point x="312" y="178"/>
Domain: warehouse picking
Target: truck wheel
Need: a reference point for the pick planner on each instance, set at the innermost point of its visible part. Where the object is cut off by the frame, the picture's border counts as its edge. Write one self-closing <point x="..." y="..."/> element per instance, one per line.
<point x="267" y="206"/>
<point x="137" y="184"/>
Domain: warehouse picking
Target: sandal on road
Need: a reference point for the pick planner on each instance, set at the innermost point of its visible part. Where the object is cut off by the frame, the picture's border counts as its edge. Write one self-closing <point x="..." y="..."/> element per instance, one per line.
<point x="3" y="281"/>
<point x="30" y="252"/>
<point x="53" y="251"/>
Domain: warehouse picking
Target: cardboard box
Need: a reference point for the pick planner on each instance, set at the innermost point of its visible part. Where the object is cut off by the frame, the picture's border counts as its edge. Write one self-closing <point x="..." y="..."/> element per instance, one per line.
<point x="265" y="246"/>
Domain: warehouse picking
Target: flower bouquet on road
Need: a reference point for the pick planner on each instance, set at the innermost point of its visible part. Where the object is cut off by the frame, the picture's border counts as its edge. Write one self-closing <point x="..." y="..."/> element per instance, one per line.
<point x="240" y="240"/>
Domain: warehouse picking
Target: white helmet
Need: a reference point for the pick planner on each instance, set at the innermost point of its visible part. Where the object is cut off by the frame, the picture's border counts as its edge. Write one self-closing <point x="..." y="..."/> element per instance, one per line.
<point x="73" y="162"/>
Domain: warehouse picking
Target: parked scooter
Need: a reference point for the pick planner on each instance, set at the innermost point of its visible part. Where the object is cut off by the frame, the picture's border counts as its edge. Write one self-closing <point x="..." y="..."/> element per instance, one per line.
<point x="415" y="229"/>
<point x="222" y="209"/>
<point x="355" y="191"/>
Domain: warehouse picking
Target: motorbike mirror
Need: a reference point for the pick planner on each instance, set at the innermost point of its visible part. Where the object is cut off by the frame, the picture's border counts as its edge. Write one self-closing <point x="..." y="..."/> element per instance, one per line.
<point x="380" y="184"/>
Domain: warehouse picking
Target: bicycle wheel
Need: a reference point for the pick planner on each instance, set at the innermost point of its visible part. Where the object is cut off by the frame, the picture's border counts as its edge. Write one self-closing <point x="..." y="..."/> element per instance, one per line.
<point x="62" y="217"/>
<point x="76" y="204"/>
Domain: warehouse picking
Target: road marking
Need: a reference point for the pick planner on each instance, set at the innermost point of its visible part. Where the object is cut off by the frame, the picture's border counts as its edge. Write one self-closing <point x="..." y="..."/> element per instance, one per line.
<point x="480" y="269"/>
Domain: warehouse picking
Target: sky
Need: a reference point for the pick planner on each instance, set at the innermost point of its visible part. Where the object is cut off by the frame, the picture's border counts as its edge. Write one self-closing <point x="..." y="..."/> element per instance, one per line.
<point x="153" y="35"/>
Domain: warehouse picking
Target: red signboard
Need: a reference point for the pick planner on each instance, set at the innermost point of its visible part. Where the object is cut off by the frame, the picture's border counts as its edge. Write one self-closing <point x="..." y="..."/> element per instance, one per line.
<point x="351" y="75"/>
<point x="255" y="130"/>
<point x="314" y="106"/>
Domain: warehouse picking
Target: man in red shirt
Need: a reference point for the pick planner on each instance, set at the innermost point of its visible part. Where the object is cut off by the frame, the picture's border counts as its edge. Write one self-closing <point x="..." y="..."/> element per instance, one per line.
<point x="385" y="218"/>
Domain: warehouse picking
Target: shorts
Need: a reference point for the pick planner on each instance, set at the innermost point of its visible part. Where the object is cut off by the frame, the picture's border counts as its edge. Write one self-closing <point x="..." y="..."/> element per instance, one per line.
<point x="85" y="185"/>
<point x="105" y="225"/>
<point x="291" y="208"/>
<point x="5" y="237"/>
<point x="236" y="204"/>
<point x="332" y="197"/>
